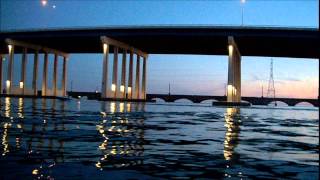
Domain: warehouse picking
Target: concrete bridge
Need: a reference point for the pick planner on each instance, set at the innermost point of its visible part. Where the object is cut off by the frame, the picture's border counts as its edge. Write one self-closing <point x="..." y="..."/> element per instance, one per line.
<point x="251" y="100"/>
<point x="133" y="44"/>
<point x="201" y="98"/>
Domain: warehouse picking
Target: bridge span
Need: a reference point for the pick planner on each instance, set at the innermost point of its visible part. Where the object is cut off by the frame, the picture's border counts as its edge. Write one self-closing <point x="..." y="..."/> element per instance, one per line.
<point x="133" y="45"/>
<point x="251" y="100"/>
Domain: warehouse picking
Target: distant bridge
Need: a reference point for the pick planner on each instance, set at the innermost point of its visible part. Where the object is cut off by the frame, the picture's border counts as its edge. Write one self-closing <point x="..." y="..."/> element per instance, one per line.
<point x="252" y="100"/>
<point x="199" y="98"/>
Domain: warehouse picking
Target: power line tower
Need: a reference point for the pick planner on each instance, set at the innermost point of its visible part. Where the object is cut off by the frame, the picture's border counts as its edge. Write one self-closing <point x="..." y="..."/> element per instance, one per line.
<point x="271" y="93"/>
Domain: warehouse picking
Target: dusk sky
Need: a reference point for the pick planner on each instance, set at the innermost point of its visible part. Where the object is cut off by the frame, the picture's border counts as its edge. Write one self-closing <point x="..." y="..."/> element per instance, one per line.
<point x="188" y="74"/>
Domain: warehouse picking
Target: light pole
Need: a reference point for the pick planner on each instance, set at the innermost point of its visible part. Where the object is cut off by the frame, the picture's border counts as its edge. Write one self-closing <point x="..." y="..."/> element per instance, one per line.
<point x="242" y="7"/>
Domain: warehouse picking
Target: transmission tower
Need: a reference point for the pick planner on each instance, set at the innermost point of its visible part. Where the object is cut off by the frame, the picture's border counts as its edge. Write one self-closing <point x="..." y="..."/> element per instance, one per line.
<point x="271" y="93"/>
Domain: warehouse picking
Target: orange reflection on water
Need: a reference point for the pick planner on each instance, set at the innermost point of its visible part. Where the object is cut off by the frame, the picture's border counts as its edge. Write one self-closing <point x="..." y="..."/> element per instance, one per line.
<point x="5" y="142"/>
<point x="113" y="107"/>
<point x="121" y="107"/>
<point x="20" y="108"/>
<point x="117" y="153"/>
<point x="7" y="103"/>
<point x="232" y="132"/>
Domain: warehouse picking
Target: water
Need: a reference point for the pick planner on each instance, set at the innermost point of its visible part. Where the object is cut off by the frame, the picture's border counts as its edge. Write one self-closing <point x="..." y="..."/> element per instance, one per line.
<point x="99" y="140"/>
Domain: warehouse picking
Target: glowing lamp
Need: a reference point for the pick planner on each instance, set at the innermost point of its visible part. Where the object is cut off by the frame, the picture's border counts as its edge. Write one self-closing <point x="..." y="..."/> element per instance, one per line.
<point x="230" y="89"/>
<point x="44" y="2"/>
<point x="113" y="87"/>
<point x="129" y="89"/>
<point x="10" y="48"/>
<point x="122" y="88"/>
<point x="230" y="47"/>
<point x="105" y="47"/>
<point x="21" y="84"/>
<point x="8" y="83"/>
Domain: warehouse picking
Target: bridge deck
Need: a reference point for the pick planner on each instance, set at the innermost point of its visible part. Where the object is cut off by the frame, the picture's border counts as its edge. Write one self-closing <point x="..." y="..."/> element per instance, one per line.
<point x="209" y="40"/>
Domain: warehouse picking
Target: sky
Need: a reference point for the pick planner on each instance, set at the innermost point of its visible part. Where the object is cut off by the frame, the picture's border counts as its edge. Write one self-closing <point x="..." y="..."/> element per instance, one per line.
<point x="187" y="74"/>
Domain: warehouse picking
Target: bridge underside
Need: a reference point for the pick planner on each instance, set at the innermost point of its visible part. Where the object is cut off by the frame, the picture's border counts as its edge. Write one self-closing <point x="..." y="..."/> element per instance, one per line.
<point x="275" y="42"/>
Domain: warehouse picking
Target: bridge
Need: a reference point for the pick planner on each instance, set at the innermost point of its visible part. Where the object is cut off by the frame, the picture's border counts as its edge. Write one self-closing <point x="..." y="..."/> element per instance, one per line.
<point x="251" y="100"/>
<point x="200" y="98"/>
<point x="136" y="43"/>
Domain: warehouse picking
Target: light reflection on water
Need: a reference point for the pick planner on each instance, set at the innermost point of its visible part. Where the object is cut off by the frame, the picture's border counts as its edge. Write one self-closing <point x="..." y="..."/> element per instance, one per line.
<point x="91" y="139"/>
<point x="232" y="132"/>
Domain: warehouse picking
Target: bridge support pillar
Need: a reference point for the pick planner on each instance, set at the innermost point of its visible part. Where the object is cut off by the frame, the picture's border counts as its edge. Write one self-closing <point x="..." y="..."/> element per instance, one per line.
<point x="22" y="89"/>
<point x="137" y="84"/>
<point x="23" y="72"/>
<point x="124" y="91"/>
<point x="35" y="73"/>
<point x="45" y="75"/>
<point x="234" y="72"/>
<point x="10" y="68"/>
<point x="114" y="86"/>
<point x="55" y="75"/>
<point x="104" y="87"/>
<point x="130" y="80"/>
<point x="144" y="74"/>
<point x="123" y="75"/>
<point x="64" y="77"/>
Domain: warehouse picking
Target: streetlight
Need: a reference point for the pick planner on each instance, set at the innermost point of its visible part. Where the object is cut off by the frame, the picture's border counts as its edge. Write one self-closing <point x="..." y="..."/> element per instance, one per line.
<point x="242" y="7"/>
<point x="44" y="2"/>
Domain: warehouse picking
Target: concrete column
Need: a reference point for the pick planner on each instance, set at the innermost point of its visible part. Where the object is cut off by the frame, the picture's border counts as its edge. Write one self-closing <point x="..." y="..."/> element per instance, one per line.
<point x="234" y="72"/>
<point x="104" y="89"/>
<point x="239" y="78"/>
<point x="22" y="83"/>
<point x="123" y="74"/>
<point x="234" y="85"/>
<point x="114" y="86"/>
<point x="64" y="77"/>
<point x="35" y="73"/>
<point x="230" y="75"/>
<point x="45" y="75"/>
<point x="55" y="75"/>
<point x="137" y="88"/>
<point x="236" y="77"/>
<point x="10" y="69"/>
<point x="1" y="60"/>
<point x="144" y="74"/>
<point x="130" y="80"/>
